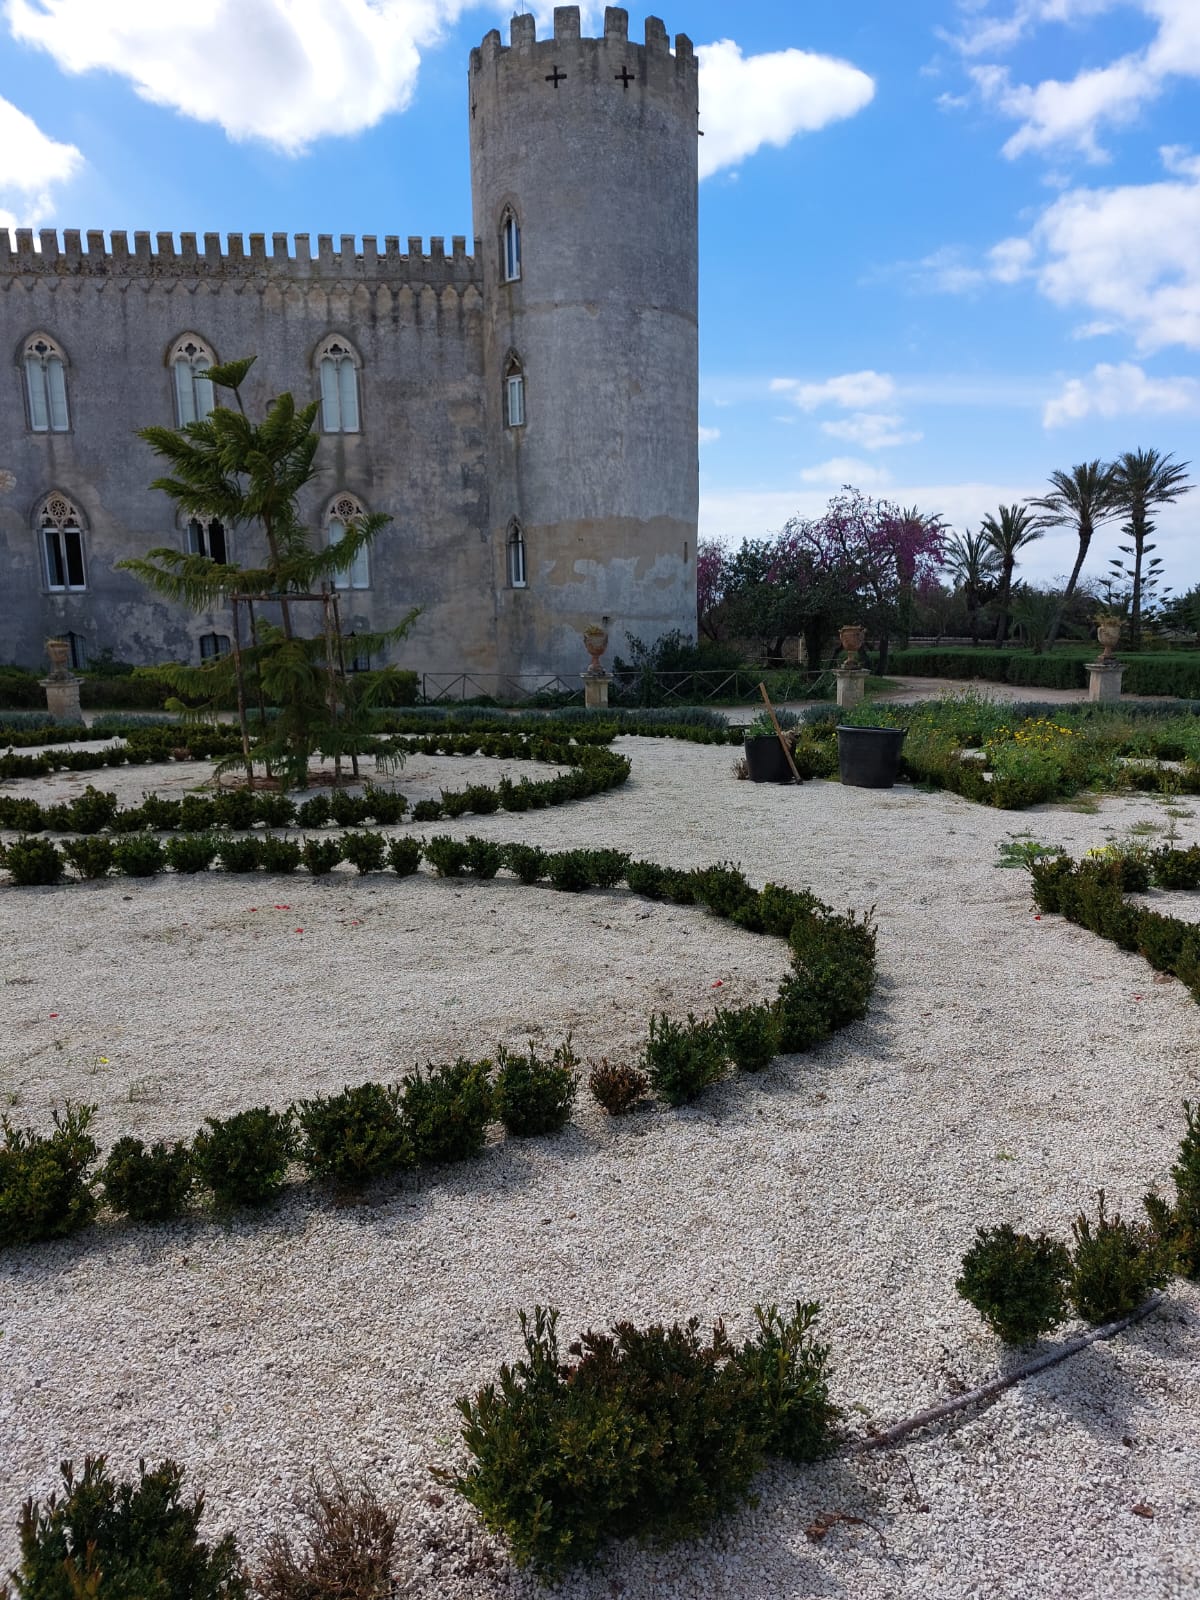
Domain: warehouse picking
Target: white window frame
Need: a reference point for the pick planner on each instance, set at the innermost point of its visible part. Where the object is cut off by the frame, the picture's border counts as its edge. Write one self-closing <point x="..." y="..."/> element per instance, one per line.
<point x="59" y="525"/>
<point x="46" y="386"/>
<point x="348" y="508"/>
<point x="515" y="557"/>
<point x="198" y="536"/>
<point x="514" y="395"/>
<point x="190" y="358"/>
<point x="510" y="247"/>
<point x="338" y="364"/>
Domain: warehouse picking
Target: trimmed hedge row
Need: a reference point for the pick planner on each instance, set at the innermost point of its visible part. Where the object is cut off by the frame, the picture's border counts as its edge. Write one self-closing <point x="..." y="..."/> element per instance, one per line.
<point x="1169" y="675"/>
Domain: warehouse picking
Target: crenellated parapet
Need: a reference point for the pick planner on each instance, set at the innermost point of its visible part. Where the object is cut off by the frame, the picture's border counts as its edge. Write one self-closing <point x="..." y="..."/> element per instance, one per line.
<point x="613" y="60"/>
<point x="288" y="259"/>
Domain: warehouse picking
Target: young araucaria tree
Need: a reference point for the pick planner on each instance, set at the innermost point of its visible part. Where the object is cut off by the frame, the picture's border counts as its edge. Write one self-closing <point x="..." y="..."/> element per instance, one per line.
<point x="249" y="475"/>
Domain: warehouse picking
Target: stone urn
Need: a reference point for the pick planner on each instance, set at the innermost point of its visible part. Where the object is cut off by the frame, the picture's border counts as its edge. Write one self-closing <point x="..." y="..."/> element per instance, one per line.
<point x="59" y="651"/>
<point x="1108" y="631"/>
<point x="852" y="638"/>
<point x="595" y="642"/>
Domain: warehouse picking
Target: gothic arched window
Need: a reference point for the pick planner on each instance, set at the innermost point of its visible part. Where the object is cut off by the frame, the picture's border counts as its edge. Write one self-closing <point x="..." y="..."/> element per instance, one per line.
<point x="60" y="533"/>
<point x="46" y="385"/>
<point x="514" y="392"/>
<point x="337" y="368"/>
<point x="510" y="246"/>
<point x="344" y="513"/>
<point x="516" y="556"/>
<point x="206" y="537"/>
<point x="189" y="360"/>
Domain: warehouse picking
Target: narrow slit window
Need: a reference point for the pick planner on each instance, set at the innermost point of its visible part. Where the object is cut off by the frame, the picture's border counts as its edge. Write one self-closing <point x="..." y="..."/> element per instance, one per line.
<point x="46" y="386"/>
<point x="516" y="557"/>
<point x="514" y="395"/>
<point x="510" y="248"/>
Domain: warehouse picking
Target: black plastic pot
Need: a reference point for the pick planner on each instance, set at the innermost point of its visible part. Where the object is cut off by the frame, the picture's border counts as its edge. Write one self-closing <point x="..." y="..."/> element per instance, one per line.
<point x="765" y="760"/>
<point x="869" y="758"/>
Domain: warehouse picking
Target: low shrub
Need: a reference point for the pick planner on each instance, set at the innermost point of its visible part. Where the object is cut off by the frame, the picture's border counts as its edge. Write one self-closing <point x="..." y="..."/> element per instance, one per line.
<point x="346" y="1553"/>
<point x="617" y="1086"/>
<point x="32" y="862"/>
<point x="682" y="1059"/>
<point x="236" y="808"/>
<point x="571" y="870"/>
<point x="387" y="806"/>
<point x="321" y="855"/>
<point x="148" y="1185"/>
<point x="91" y="856"/>
<point x="446" y="856"/>
<point x="749" y="1036"/>
<point x="447" y="1110"/>
<point x="483" y="858"/>
<point x="1016" y="1283"/>
<point x="532" y="1095"/>
<point x="1116" y="1265"/>
<point x="45" y="1179"/>
<point x="123" y="1541"/>
<point x="190" y="852"/>
<point x="197" y="813"/>
<point x="365" y="851"/>
<point x="92" y="810"/>
<point x="355" y="1136"/>
<point x="1178" y="1224"/>
<point x="159" y="815"/>
<point x="138" y="856"/>
<point x="404" y="856"/>
<point x="527" y="861"/>
<point x="647" y="879"/>
<point x="243" y="1159"/>
<point x="723" y="889"/>
<point x="648" y="1433"/>
<point x="801" y="1014"/>
<point x="346" y="809"/>
<point x="314" y="812"/>
<point x="280" y="855"/>
<point x="426" y="811"/>
<point x="835" y="956"/>
<point x="242" y="854"/>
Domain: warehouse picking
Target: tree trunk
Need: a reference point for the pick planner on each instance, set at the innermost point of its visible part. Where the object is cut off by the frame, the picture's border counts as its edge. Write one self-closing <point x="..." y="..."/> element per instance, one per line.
<point x="1005" y="590"/>
<point x="1135" y="600"/>
<point x="1085" y="539"/>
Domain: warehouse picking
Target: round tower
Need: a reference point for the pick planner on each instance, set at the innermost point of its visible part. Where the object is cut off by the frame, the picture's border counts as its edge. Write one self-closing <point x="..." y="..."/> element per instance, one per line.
<point x="583" y="183"/>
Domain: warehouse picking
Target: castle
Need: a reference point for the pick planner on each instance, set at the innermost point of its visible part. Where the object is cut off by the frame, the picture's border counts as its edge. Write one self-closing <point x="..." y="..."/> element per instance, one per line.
<point x="525" y="414"/>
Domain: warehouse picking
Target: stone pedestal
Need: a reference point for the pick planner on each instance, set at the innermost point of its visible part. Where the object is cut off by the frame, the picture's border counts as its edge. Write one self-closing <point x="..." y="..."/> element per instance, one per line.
<point x="1104" y="680"/>
<point x="851" y="686"/>
<point x="595" y="690"/>
<point x="62" y="697"/>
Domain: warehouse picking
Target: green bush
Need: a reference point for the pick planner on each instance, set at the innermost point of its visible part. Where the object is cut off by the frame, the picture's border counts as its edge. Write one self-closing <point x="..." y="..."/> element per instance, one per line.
<point x="197" y="813"/>
<point x="835" y="957"/>
<point x="571" y="870"/>
<point x="723" y="889"/>
<point x="426" y="811"/>
<point x="447" y="856"/>
<point x="527" y="861"/>
<point x="191" y="852"/>
<point x="321" y="855"/>
<point x="385" y="805"/>
<point x="1016" y="1283"/>
<point x="682" y="1059"/>
<point x="447" y="1110"/>
<point x="32" y="862"/>
<point x="138" y="856"/>
<point x="404" y="856"/>
<point x="1178" y="1224"/>
<point x="802" y="1016"/>
<point x="241" y="854"/>
<point x="649" y="1433"/>
<point x="160" y="816"/>
<point x="346" y="809"/>
<point x="355" y="1136"/>
<point x="92" y="810"/>
<point x="123" y="1541"/>
<point x="617" y="1086"/>
<point x="647" y="879"/>
<point x="365" y="851"/>
<point x="148" y="1185"/>
<point x="483" y="859"/>
<point x="1116" y="1265"/>
<point x="750" y="1036"/>
<point x="243" y="1159"/>
<point x="236" y="808"/>
<point x="280" y="855"/>
<point x="532" y="1095"/>
<point x="313" y="813"/>
<point x="45" y="1179"/>
<point x="91" y="856"/>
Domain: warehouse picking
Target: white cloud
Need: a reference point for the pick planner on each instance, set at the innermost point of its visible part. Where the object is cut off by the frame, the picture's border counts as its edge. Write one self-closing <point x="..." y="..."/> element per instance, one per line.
<point x="31" y="164"/>
<point x="1120" y="391"/>
<point x="709" y="435"/>
<point x="284" y="71"/>
<point x="851" y="390"/>
<point x="847" y="469"/>
<point x="871" y="430"/>
<point x="749" y="101"/>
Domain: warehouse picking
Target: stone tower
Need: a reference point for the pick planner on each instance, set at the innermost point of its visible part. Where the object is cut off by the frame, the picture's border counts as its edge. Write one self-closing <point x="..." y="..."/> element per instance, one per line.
<point x="584" y="188"/>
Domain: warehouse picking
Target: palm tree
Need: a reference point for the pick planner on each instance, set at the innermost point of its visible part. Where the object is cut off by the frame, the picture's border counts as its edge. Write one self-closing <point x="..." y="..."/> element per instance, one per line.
<point x="1142" y="481"/>
<point x="1016" y="528"/>
<point x="972" y="562"/>
<point x="1085" y="497"/>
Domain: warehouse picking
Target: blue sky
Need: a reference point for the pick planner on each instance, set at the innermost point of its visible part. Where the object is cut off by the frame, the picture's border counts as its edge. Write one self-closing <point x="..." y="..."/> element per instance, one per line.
<point x="945" y="247"/>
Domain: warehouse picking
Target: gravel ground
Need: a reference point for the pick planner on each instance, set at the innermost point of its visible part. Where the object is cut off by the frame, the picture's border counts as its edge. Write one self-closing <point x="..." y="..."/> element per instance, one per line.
<point x="1009" y="1066"/>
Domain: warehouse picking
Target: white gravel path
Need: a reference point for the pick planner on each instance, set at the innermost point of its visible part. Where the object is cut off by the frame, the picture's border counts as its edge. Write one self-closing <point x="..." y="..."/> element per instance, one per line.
<point x="1008" y="1067"/>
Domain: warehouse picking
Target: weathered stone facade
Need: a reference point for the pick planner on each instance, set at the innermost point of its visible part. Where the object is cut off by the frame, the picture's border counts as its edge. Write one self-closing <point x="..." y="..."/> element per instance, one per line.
<point x="583" y="155"/>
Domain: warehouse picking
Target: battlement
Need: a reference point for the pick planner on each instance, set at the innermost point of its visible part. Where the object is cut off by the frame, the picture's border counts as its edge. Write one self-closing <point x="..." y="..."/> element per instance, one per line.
<point x="654" y="53"/>
<point x="289" y="257"/>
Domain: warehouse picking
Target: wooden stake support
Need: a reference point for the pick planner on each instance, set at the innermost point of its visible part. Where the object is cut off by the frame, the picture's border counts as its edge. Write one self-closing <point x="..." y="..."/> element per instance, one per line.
<point x="787" y="749"/>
